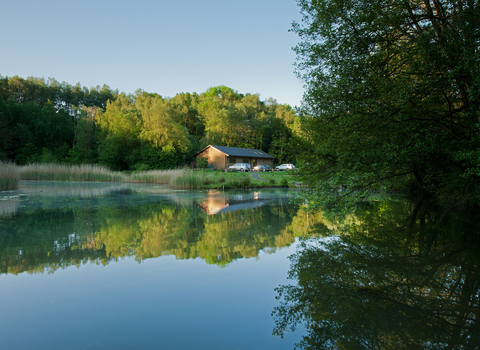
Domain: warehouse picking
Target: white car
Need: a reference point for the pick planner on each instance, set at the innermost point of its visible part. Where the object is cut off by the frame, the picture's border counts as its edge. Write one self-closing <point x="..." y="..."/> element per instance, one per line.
<point x="241" y="167"/>
<point x="285" y="167"/>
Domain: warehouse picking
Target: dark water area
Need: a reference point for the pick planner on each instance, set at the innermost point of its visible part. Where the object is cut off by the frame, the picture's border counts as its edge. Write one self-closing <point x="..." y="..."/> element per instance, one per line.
<point x="392" y="275"/>
<point x="121" y="266"/>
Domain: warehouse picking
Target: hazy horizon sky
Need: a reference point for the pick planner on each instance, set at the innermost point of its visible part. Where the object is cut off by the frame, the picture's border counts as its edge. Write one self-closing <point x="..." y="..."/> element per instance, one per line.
<point x="166" y="47"/>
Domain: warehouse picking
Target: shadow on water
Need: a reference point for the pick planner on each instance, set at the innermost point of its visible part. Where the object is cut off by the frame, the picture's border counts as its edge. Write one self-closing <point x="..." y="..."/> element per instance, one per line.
<point x="45" y="226"/>
<point x="389" y="276"/>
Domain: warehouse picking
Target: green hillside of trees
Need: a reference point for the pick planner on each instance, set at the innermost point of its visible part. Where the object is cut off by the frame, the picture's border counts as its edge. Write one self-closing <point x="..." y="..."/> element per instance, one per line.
<point x="48" y="121"/>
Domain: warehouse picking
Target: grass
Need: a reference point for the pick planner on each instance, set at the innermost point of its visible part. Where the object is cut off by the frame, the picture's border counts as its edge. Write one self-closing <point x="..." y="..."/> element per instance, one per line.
<point x="209" y="179"/>
<point x="10" y="174"/>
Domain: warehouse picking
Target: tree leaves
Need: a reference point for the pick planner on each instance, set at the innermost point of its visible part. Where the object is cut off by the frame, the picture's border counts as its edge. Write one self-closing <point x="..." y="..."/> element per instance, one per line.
<point x="393" y="91"/>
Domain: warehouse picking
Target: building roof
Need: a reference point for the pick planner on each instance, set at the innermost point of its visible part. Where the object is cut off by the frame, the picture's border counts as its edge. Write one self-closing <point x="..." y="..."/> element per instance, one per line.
<point x="240" y="152"/>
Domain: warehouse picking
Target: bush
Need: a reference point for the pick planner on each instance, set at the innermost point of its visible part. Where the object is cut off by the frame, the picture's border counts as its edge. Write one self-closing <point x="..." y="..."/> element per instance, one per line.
<point x="142" y="167"/>
<point x="202" y="163"/>
<point x="246" y="181"/>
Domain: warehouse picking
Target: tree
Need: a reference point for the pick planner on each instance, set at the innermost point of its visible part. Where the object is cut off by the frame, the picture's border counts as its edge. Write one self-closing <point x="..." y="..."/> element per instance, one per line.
<point x="393" y="88"/>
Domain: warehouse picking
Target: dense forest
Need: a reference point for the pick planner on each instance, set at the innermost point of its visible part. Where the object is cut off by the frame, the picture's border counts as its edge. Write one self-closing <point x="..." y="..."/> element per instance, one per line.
<point x="47" y="121"/>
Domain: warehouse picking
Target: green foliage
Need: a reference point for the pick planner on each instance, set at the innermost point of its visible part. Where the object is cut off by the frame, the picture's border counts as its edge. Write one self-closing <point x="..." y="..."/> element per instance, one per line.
<point x="81" y="126"/>
<point x="47" y="156"/>
<point x="27" y="154"/>
<point x="202" y="163"/>
<point x="142" y="167"/>
<point x="393" y="93"/>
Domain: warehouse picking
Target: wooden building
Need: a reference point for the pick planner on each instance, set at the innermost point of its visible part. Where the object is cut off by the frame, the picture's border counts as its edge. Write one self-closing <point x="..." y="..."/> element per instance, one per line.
<point x="221" y="157"/>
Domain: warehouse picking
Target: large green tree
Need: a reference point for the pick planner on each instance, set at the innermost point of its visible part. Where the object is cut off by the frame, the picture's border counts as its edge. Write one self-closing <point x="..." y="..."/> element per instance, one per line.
<point x="393" y="90"/>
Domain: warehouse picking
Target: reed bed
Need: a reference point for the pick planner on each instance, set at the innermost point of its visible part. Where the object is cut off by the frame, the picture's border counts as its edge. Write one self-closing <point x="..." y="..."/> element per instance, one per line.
<point x="156" y="176"/>
<point x="188" y="179"/>
<point x="9" y="176"/>
<point x="70" y="172"/>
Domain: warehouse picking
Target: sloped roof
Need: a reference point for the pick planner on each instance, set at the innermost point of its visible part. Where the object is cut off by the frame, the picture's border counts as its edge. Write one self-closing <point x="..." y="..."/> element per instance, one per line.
<point x="240" y="152"/>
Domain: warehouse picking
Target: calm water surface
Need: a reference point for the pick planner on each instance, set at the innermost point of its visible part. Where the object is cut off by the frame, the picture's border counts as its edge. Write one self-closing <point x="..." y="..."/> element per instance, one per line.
<point x="114" y="266"/>
<point x="118" y="266"/>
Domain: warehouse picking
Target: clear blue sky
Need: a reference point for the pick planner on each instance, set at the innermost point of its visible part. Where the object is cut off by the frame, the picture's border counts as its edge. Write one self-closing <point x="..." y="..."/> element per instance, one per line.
<point x="159" y="46"/>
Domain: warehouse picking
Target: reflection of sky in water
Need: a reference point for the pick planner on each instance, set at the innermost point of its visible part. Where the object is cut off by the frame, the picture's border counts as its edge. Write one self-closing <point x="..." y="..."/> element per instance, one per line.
<point x="162" y="302"/>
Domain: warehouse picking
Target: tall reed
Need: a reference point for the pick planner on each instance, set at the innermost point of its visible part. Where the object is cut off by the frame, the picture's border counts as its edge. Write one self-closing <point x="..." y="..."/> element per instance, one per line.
<point x="9" y="176"/>
<point x="156" y="176"/>
<point x="187" y="180"/>
<point x="69" y="172"/>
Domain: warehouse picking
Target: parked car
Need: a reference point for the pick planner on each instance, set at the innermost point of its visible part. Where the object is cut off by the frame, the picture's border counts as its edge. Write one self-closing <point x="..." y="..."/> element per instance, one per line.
<point x="285" y="167"/>
<point x="240" y="167"/>
<point x="262" y="167"/>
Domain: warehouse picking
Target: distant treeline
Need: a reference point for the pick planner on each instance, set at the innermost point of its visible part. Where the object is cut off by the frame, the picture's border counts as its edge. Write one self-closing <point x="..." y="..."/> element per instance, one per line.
<point x="48" y="121"/>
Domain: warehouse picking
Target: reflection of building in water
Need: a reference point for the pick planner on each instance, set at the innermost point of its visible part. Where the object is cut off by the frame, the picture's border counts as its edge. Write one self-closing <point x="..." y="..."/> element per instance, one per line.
<point x="217" y="202"/>
<point x="213" y="204"/>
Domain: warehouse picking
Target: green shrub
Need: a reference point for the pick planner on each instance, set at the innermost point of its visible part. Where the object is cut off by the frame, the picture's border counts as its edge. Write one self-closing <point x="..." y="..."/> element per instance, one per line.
<point x="207" y="180"/>
<point x="142" y="167"/>
<point x="202" y="163"/>
<point x="233" y="183"/>
<point x="245" y="181"/>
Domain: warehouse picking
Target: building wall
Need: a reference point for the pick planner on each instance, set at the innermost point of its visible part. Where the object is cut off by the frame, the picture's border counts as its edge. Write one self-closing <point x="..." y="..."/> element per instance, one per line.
<point x="215" y="158"/>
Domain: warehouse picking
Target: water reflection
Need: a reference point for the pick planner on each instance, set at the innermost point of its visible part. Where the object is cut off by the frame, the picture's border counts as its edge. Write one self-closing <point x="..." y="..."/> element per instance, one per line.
<point x="48" y="226"/>
<point x="216" y="202"/>
<point x="393" y="275"/>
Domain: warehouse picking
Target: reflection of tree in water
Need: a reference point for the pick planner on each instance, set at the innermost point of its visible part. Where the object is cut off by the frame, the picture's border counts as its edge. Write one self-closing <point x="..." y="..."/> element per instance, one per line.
<point x="46" y="240"/>
<point x="390" y="282"/>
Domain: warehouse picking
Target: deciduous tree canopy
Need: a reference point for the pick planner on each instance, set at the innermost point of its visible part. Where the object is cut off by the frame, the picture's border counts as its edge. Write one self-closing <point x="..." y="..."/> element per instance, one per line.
<point x="48" y="121"/>
<point x="393" y="88"/>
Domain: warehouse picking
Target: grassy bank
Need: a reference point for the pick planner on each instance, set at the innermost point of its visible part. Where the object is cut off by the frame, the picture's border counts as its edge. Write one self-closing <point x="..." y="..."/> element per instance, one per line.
<point x="208" y="179"/>
<point x="10" y="174"/>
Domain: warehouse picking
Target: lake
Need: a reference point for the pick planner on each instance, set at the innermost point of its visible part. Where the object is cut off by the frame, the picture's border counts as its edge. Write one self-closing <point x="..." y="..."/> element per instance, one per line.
<point x="122" y="266"/>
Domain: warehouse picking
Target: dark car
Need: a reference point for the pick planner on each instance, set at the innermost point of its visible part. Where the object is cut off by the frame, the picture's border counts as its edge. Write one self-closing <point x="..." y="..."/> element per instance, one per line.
<point x="262" y="167"/>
